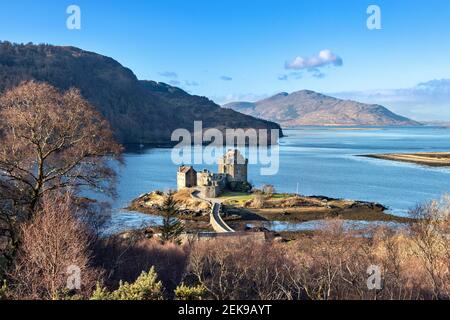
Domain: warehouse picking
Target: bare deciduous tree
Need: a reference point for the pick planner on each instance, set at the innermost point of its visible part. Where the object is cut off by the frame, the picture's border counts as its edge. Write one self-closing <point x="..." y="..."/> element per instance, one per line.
<point x="53" y="140"/>
<point x="268" y="190"/>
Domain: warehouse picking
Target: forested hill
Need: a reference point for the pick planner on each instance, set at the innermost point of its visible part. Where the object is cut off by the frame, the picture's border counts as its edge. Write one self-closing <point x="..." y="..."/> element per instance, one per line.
<point x="139" y="111"/>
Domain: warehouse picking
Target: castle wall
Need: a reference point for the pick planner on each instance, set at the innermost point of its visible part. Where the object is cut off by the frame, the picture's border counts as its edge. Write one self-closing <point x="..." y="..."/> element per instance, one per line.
<point x="186" y="178"/>
<point x="181" y="180"/>
<point x="210" y="191"/>
<point x="236" y="172"/>
<point x="204" y="178"/>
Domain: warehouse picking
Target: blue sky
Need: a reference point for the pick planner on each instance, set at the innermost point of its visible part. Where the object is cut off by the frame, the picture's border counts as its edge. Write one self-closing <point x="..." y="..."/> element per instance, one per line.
<point x="240" y="49"/>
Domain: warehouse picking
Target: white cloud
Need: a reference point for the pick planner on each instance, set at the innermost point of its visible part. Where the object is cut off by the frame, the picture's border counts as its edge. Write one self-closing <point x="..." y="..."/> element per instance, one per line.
<point x="322" y="59"/>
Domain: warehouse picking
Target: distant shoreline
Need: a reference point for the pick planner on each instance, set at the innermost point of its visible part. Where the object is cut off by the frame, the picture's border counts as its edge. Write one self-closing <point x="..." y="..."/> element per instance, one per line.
<point x="432" y="159"/>
<point x="136" y="147"/>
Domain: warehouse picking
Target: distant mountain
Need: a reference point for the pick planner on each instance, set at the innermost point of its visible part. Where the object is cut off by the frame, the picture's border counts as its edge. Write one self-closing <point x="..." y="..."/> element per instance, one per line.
<point x="311" y="108"/>
<point x="139" y="111"/>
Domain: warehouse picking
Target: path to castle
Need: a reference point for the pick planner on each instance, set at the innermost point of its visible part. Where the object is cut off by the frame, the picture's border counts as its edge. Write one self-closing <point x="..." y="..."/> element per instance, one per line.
<point x="216" y="220"/>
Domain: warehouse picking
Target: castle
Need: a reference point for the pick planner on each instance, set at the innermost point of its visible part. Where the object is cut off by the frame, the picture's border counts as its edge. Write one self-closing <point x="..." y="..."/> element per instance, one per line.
<point x="232" y="175"/>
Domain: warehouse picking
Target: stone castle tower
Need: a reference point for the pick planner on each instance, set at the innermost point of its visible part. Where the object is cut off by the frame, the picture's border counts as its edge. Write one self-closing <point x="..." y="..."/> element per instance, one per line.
<point x="186" y="177"/>
<point x="232" y="175"/>
<point x="234" y="165"/>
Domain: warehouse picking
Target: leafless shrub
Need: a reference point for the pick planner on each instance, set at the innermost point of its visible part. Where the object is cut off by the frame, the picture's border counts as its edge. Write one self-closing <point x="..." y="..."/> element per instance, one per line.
<point x="268" y="190"/>
<point x="239" y="269"/>
<point x="258" y="200"/>
<point x="431" y="244"/>
<point x="50" y="243"/>
<point x="331" y="264"/>
<point x="402" y="279"/>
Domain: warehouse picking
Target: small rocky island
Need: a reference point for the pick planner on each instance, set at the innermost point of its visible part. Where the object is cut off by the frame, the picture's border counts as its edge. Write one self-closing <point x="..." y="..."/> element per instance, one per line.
<point x="241" y="204"/>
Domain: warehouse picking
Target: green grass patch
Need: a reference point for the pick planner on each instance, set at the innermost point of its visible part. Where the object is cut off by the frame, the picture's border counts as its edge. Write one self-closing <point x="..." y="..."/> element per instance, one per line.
<point x="239" y="198"/>
<point x="231" y="194"/>
<point x="235" y="198"/>
<point x="281" y="196"/>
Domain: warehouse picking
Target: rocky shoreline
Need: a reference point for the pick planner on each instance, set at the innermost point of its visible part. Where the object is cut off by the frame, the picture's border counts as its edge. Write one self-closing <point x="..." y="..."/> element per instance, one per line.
<point x="189" y="207"/>
<point x="241" y="208"/>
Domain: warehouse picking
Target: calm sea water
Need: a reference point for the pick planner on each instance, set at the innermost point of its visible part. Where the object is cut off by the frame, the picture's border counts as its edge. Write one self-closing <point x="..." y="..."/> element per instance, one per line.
<point x="320" y="161"/>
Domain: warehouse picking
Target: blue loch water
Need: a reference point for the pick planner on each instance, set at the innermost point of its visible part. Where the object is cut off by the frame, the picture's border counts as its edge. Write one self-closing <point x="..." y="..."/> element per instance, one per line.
<point x="317" y="161"/>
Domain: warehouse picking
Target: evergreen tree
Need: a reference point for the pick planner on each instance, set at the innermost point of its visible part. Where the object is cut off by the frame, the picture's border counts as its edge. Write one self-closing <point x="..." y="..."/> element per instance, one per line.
<point x="146" y="287"/>
<point x="184" y="292"/>
<point x="172" y="227"/>
<point x="3" y="290"/>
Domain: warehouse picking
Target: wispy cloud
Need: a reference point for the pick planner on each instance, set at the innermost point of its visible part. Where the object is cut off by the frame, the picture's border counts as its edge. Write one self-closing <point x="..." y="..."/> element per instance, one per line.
<point x="291" y="75"/>
<point x="191" y="83"/>
<point x="168" y="74"/>
<point x="226" y="78"/>
<point x="316" y="73"/>
<point x="426" y="101"/>
<point x="175" y="82"/>
<point x="322" y="59"/>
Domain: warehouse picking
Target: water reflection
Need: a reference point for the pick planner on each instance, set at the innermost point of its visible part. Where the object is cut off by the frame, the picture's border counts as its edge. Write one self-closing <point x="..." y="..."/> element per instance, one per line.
<point x="280" y="226"/>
